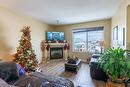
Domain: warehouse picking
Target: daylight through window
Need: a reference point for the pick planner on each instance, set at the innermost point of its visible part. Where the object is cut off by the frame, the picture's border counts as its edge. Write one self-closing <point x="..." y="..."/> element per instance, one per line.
<point x="87" y="40"/>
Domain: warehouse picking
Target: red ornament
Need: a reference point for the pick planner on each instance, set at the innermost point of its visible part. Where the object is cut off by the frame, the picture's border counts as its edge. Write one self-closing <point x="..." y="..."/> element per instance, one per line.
<point x="68" y="47"/>
<point x="48" y="47"/>
<point x="20" y="51"/>
<point x="22" y="64"/>
<point x="65" y="47"/>
<point x="15" y="55"/>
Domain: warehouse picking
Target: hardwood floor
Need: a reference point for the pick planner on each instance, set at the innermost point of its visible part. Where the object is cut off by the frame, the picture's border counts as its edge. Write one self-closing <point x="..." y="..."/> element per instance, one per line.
<point x="81" y="79"/>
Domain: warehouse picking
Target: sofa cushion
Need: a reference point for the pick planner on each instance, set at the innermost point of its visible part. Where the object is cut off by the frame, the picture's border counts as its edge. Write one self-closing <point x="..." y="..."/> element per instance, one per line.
<point x="96" y="72"/>
<point x="96" y="56"/>
<point x="4" y="74"/>
<point x="58" y="80"/>
<point x="51" y="84"/>
<point x="8" y="71"/>
<point x="31" y="81"/>
<point x="4" y="84"/>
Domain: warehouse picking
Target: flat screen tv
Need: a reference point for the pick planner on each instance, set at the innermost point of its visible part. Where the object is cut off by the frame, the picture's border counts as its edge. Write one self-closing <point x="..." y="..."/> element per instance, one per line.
<point x="55" y="36"/>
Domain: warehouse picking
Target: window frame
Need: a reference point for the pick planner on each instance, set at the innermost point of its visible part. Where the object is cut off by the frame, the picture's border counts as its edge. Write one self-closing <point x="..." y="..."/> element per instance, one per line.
<point x="85" y="30"/>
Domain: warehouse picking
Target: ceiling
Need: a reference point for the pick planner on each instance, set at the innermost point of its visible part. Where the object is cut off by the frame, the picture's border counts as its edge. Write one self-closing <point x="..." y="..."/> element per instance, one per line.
<point x="65" y="11"/>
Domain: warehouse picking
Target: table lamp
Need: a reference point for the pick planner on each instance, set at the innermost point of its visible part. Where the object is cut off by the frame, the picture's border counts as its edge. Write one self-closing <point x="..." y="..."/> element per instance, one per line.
<point x="101" y="43"/>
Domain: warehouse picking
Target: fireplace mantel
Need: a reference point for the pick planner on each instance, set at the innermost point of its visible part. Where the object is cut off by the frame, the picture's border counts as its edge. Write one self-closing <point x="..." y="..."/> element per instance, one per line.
<point x="48" y="46"/>
<point x="56" y="44"/>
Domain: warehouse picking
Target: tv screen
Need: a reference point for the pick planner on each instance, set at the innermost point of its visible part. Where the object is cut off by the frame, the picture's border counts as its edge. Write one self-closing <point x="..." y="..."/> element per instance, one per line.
<point x="55" y="36"/>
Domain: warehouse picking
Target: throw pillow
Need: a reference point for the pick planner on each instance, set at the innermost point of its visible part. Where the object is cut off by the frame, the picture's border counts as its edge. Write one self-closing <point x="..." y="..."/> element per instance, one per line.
<point x="51" y="84"/>
<point x="8" y="72"/>
<point x="21" y="70"/>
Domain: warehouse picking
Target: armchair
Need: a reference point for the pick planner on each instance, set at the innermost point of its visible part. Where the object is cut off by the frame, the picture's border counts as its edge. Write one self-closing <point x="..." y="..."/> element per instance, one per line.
<point x="95" y="72"/>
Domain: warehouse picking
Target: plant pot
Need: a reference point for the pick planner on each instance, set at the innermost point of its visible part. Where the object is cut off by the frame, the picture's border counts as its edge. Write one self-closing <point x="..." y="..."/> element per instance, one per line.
<point x="113" y="84"/>
<point x="118" y="80"/>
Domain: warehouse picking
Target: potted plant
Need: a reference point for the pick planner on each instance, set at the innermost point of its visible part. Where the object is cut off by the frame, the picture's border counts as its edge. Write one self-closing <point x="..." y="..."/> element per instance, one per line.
<point x="116" y="64"/>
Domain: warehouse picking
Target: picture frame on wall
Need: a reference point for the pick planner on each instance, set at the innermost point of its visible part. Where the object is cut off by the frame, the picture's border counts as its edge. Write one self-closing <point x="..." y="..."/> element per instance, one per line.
<point x="118" y="36"/>
<point x="121" y="34"/>
<point x="115" y="35"/>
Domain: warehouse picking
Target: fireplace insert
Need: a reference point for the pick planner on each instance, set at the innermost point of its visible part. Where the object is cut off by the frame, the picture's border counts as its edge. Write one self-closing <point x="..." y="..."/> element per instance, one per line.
<point x="56" y="53"/>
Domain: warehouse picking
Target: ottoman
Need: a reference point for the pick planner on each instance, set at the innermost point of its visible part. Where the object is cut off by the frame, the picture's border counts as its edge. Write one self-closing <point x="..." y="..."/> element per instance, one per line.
<point x="74" y="67"/>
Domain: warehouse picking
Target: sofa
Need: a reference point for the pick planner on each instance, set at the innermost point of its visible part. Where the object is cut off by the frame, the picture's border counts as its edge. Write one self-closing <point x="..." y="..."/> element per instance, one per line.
<point x="14" y="75"/>
<point x="95" y="72"/>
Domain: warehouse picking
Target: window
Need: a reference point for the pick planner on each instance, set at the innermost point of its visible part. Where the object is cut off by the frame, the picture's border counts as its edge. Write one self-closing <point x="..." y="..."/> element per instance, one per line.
<point x="87" y="39"/>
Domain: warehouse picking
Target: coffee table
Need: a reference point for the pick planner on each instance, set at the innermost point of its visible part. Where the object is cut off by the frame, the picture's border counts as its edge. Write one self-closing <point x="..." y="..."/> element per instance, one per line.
<point x="73" y="67"/>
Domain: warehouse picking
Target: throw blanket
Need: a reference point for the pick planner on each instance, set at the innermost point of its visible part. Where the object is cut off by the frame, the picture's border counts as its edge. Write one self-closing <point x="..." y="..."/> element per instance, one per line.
<point x="38" y="79"/>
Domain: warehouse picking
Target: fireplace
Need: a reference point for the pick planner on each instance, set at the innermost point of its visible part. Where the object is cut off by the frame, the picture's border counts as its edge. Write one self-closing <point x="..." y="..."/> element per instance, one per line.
<point x="56" y="53"/>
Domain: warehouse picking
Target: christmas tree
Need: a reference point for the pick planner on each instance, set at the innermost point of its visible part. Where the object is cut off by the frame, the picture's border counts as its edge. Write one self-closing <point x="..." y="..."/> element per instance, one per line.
<point x="25" y="55"/>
